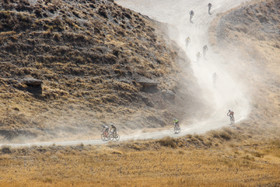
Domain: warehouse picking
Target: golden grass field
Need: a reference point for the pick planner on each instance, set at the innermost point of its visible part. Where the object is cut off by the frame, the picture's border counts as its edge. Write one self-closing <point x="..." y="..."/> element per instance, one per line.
<point x="147" y="163"/>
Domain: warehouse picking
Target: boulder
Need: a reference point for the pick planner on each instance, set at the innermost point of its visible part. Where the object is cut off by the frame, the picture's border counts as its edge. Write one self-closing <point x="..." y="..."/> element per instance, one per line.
<point x="168" y="95"/>
<point x="148" y="85"/>
<point x="33" y="85"/>
<point x="32" y="82"/>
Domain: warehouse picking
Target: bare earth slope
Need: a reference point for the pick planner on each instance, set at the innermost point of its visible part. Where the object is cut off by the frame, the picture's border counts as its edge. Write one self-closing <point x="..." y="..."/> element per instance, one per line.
<point x="99" y="63"/>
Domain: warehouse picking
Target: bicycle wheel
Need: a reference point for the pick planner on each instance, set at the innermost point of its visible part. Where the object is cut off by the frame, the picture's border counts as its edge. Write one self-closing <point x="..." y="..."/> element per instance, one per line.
<point x="111" y="137"/>
<point x="117" y="137"/>
<point x="232" y="120"/>
<point x="114" y="137"/>
<point x="179" y="130"/>
<point x="176" y="130"/>
<point x="103" y="137"/>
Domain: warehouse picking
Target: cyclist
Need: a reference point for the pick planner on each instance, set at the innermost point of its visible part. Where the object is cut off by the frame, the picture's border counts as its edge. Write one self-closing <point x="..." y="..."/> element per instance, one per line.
<point x="105" y="130"/>
<point x="231" y="115"/>
<point x="205" y="49"/>
<point x="176" y="122"/>
<point x="176" y="126"/>
<point x="113" y="129"/>
<point x="191" y="15"/>
<point x="187" y="40"/>
<point x="209" y="8"/>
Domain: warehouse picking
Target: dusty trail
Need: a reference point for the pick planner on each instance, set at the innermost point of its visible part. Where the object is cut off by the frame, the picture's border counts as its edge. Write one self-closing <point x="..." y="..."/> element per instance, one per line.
<point x="227" y="93"/>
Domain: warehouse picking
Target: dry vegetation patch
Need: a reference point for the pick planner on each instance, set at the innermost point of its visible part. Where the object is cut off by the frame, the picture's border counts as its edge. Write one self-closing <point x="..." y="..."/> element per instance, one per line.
<point x="146" y="163"/>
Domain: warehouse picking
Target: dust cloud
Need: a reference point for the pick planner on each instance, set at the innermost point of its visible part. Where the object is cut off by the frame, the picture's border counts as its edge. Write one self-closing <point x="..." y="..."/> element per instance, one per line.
<point x="216" y="74"/>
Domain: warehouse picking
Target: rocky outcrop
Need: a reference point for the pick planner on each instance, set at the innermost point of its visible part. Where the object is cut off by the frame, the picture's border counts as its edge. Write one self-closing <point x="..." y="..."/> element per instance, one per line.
<point x="148" y="85"/>
<point x="33" y="85"/>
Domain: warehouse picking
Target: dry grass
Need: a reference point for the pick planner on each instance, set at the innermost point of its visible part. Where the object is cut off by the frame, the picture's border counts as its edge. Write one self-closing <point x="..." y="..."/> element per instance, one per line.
<point x="155" y="165"/>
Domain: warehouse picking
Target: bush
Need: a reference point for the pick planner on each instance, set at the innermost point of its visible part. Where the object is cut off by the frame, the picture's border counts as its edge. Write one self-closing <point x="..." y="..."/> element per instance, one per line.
<point x="225" y="136"/>
<point x="168" y="142"/>
<point x="6" y="150"/>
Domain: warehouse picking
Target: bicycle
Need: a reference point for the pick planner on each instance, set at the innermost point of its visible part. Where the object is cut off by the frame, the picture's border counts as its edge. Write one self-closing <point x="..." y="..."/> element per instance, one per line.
<point x="114" y="136"/>
<point x="232" y="121"/>
<point x="177" y="129"/>
<point x="231" y="115"/>
<point x="105" y="136"/>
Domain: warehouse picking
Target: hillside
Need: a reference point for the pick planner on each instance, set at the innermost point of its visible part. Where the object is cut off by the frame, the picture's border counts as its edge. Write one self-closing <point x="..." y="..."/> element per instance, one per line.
<point x="254" y="31"/>
<point x="98" y="64"/>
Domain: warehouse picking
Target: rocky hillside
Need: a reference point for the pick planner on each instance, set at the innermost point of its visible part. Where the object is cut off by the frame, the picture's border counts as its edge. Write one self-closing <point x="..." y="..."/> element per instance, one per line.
<point x="70" y="66"/>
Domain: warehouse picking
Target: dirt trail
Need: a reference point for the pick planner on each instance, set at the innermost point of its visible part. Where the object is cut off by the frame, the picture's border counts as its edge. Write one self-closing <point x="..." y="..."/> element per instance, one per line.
<point x="227" y="93"/>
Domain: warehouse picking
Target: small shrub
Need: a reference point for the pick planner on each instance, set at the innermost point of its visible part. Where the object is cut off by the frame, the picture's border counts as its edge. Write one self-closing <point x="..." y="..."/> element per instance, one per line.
<point x="225" y="136"/>
<point x="168" y="142"/>
<point x="135" y="147"/>
<point x="248" y="157"/>
<point x="257" y="154"/>
<point x="47" y="180"/>
<point x="117" y="152"/>
<point x="181" y="152"/>
<point x="276" y="143"/>
<point x="6" y="150"/>
<point x="221" y="135"/>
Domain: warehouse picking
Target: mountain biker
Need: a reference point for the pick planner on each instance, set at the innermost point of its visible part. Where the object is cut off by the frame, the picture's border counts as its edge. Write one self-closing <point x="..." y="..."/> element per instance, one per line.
<point x="176" y="122"/>
<point x="231" y="115"/>
<point x="187" y="41"/>
<point x="176" y="126"/>
<point x="209" y="8"/>
<point x="191" y="15"/>
<point x="113" y="129"/>
<point x="205" y="49"/>
<point x="106" y="130"/>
